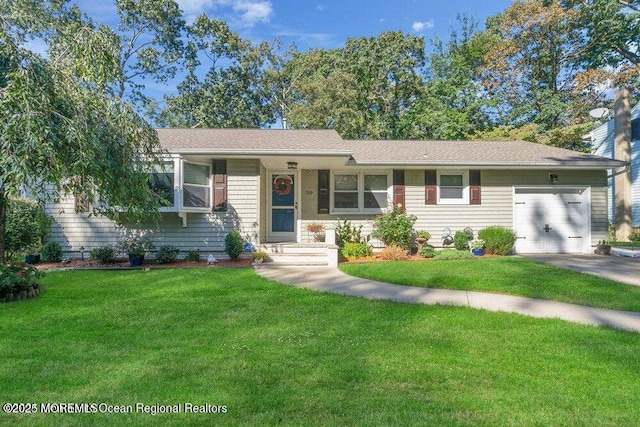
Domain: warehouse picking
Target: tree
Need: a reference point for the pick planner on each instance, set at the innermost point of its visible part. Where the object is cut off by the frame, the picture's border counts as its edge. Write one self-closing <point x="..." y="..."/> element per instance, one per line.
<point x="361" y="90"/>
<point x="60" y="131"/>
<point x="530" y="74"/>
<point x="231" y="93"/>
<point x="610" y="48"/>
<point x="452" y="104"/>
<point x="150" y="35"/>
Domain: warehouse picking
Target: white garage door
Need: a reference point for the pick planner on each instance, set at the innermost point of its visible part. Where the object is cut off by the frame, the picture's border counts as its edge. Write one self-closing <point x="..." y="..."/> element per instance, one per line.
<point x="552" y="220"/>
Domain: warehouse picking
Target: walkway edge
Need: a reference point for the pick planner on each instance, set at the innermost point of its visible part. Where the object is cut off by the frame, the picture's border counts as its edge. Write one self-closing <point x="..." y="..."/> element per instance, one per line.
<point x="332" y="280"/>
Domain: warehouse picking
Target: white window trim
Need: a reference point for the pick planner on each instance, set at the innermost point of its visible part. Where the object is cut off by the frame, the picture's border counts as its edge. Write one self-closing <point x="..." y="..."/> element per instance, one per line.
<point x="184" y="208"/>
<point x="465" y="188"/>
<point x="360" y="174"/>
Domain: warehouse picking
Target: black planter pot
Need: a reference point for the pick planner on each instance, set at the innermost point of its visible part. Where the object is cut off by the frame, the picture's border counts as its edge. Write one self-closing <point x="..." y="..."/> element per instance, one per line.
<point x="32" y="259"/>
<point x="135" y="260"/>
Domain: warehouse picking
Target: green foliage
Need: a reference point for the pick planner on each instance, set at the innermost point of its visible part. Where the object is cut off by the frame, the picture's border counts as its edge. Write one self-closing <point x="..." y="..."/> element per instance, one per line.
<point x="136" y="245"/>
<point x="233" y="244"/>
<point x="498" y="240"/>
<point x="423" y="234"/>
<point x="52" y="252"/>
<point x="17" y="277"/>
<point x="26" y="225"/>
<point x="461" y="240"/>
<point x="634" y="236"/>
<point x="259" y="256"/>
<point x="355" y="250"/>
<point x="104" y="254"/>
<point x="345" y="233"/>
<point x="427" y="252"/>
<point x="193" y="256"/>
<point x="167" y="254"/>
<point x="451" y="254"/>
<point x="394" y="227"/>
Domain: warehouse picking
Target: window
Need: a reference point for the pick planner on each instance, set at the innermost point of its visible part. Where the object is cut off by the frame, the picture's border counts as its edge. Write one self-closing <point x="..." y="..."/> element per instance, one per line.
<point x="360" y="192"/>
<point x="451" y="189"/>
<point x="161" y="181"/>
<point x="196" y="186"/>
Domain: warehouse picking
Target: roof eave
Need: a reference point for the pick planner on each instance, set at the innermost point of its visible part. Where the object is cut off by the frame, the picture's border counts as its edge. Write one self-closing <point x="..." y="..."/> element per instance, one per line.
<point x="497" y="165"/>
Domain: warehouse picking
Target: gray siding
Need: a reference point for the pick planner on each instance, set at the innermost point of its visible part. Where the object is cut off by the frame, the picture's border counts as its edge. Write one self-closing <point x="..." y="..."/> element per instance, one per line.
<point x="204" y="231"/>
<point x="496" y="207"/>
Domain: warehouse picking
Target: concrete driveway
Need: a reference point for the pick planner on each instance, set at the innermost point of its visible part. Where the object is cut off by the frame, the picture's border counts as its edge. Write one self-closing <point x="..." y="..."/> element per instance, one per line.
<point x="620" y="269"/>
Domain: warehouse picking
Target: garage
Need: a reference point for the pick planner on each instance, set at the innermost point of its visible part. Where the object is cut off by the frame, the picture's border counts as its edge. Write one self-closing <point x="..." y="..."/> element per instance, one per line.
<point x="552" y="220"/>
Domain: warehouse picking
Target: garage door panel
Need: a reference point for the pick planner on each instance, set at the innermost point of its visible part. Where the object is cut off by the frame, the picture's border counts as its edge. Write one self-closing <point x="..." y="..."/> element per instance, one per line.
<point x="551" y="220"/>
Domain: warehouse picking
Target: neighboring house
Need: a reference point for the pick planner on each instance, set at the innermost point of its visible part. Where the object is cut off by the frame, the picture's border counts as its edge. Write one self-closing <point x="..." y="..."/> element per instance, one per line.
<point x="270" y="184"/>
<point x="603" y="140"/>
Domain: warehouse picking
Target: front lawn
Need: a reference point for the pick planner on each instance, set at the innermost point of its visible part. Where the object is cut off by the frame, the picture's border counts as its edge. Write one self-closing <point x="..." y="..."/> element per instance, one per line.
<point x="274" y="354"/>
<point x="506" y="275"/>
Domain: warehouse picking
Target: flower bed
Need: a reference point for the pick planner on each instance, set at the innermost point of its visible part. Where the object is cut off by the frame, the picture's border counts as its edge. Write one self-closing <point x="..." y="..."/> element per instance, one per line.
<point x="19" y="282"/>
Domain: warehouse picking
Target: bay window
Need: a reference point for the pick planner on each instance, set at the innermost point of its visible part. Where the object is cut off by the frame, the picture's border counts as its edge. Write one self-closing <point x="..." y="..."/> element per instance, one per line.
<point x="196" y="186"/>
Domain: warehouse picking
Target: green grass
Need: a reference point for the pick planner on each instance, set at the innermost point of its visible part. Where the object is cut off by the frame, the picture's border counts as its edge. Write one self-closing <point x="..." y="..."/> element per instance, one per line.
<point x="506" y="275"/>
<point x="280" y="355"/>
<point x="625" y="244"/>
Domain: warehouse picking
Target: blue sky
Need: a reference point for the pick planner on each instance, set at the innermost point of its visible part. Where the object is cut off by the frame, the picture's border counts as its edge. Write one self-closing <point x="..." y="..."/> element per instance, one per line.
<point x="323" y="23"/>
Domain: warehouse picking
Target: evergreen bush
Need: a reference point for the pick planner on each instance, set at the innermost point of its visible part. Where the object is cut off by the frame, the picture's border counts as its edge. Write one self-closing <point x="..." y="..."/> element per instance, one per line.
<point x="52" y="252"/>
<point x="233" y="245"/>
<point x="498" y="240"/>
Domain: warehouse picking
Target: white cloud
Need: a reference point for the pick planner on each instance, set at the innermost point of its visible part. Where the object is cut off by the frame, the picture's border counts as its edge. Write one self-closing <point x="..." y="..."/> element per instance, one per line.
<point x="250" y="12"/>
<point x="321" y="8"/>
<point x="195" y="6"/>
<point x="421" y="26"/>
<point x="253" y="12"/>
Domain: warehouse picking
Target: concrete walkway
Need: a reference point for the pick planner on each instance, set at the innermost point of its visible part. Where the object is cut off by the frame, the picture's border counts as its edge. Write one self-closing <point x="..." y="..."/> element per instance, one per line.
<point x="621" y="269"/>
<point x="332" y="280"/>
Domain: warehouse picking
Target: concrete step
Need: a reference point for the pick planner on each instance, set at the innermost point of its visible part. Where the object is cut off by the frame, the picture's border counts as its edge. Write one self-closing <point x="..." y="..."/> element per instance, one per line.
<point x="298" y="259"/>
<point x="275" y="248"/>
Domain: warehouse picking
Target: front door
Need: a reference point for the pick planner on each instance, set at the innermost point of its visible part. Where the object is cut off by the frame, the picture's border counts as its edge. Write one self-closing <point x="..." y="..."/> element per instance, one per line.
<point x="283" y="206"/>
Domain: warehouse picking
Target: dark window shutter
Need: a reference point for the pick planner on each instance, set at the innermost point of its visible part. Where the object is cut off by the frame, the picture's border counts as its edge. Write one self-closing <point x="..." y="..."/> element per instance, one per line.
<point x="474" y="187"/>
<point x="398" y="188"/>
<point x="219" y="178"/>
<point x="323" y="191"/>
<point x="430" y="187"/>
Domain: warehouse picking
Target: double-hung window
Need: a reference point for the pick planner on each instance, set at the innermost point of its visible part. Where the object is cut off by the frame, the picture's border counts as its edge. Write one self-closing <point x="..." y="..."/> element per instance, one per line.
<point x="452" y="187"/>
<point x="359" y="192"/>
<point x="196" y="186"/>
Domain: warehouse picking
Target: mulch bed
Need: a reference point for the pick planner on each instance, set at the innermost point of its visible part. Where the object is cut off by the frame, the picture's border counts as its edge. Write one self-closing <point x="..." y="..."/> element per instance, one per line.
<point x="77" y="264"/>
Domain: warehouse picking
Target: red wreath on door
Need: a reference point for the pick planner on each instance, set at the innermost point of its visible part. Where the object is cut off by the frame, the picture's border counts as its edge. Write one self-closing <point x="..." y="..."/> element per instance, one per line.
<point x="282" y="185"/>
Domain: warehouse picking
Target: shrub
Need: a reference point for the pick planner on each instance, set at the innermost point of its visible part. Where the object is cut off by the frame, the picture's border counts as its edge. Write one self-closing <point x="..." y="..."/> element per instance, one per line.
<point x="259" y="256"/>
<point x="17" y="277"/>
<point x="449" y="254"/>
<point x="318" y="231"/>
<point x="193" y="255"/>
<point x="498" y="240"/>
<point x="104" y="254"/>
<point x="233" y="245"/>
<point x="345" y="233"/>
<point x="136" y="245"/>
<point x="52" y="252"/>
<point x="423" y="234"/>
<point x="395" y="227"/>
<point x="461" y="240"/>
<point x="26" y="225"/>
<point x="634" y="236"/>
<point x="427" y="252"/>
<point x="355" y="250"/>
<point x="167" y="254"/>
<point x="394" y="253"/>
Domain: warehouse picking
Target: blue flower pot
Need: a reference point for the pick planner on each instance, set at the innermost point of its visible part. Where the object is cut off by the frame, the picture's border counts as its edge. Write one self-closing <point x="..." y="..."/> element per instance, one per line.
<point x="32" y="259"/>
<point x="477" y="252"/>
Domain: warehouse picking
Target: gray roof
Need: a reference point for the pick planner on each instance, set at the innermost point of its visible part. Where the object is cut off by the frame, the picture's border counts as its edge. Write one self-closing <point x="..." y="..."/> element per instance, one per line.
<point x="261" y="142"/>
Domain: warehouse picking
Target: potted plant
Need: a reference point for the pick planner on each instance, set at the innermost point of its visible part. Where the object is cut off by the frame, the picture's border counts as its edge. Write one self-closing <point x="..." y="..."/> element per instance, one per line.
<point x="477" y="247"/>
<point x="318" y="231"/>
<point x="603" y="248"/>
<point x="136" y="247"/>
<point x="32" y="254"/>
<point x="422" y="237"/>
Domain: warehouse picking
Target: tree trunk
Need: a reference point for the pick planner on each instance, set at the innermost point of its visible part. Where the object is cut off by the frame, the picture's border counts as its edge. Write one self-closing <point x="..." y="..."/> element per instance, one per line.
<point x="3" y="222"/>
